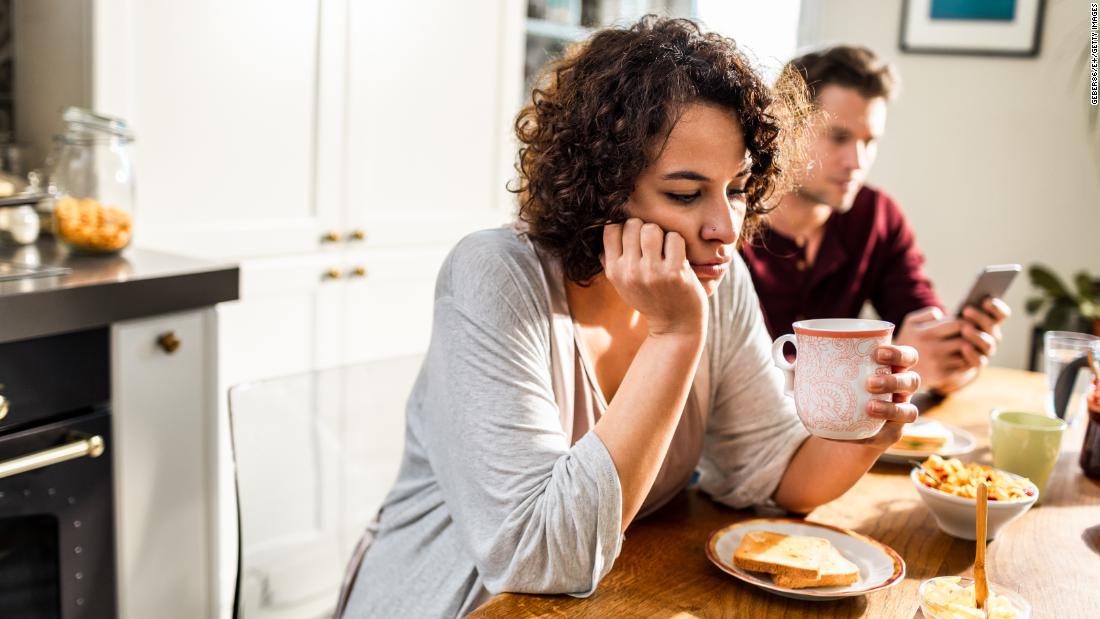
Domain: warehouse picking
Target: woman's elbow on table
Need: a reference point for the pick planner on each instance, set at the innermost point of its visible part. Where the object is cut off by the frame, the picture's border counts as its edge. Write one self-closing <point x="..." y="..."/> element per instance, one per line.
<point x="798" y="507"/>
<point x="556" y="542"/>
<point x="532" y="558"/>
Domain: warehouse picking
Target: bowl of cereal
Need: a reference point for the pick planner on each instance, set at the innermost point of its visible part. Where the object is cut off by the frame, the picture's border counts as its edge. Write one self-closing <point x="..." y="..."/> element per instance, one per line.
<point x="953" y="597"/>
<point x="949" y="489"/>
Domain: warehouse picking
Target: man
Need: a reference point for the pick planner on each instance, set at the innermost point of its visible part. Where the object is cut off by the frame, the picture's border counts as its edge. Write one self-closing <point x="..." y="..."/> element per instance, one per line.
<point x="836" y="243"/>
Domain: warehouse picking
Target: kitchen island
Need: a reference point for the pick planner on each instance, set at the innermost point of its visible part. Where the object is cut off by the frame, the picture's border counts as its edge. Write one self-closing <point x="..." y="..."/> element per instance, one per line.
<point x="101" y="290"/>
<point x="117" y="354"/>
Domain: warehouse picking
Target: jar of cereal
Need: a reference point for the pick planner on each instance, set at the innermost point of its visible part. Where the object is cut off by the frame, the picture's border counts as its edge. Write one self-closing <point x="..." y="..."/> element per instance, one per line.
<point x="93" y="183"/>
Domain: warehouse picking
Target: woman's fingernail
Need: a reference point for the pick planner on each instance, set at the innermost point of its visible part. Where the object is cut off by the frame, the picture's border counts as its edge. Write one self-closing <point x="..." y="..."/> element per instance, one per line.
<point x="878" y="406"/>
<point x="877" y="382"/>
<point x="886" y="355"/>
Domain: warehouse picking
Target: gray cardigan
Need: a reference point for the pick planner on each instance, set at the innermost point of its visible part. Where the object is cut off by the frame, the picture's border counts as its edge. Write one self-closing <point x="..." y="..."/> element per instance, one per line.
<point x="491" y="495"/>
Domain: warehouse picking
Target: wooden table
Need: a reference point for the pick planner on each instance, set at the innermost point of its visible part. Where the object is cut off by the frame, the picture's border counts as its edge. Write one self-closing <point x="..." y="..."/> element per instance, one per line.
<point x="1051" y="556"/>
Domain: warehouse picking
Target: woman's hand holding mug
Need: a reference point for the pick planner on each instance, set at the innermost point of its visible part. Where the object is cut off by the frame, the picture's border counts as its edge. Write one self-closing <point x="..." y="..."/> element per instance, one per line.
<point x="848" y="381"/>
<point x="900" y="384"/>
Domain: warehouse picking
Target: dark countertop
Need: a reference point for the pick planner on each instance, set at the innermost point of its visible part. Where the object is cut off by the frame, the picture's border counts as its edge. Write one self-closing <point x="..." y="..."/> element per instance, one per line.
<point x="101" y="290"/>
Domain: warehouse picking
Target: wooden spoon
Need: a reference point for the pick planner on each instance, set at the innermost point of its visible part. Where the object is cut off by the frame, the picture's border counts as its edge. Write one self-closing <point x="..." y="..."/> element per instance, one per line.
<point x="981" y="586"/>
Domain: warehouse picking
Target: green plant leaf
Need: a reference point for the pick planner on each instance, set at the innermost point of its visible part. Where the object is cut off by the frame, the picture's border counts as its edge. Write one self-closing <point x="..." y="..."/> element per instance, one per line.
<point x="1033" y="305"/>
<point x="1045" y="279"/>
<point x="1086" y="288"/>
<point x="1089" y="309"/>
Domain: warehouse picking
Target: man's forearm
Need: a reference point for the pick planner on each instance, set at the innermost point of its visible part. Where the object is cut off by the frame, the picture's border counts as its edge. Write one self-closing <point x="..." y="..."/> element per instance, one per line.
<point x="822" y="470"/>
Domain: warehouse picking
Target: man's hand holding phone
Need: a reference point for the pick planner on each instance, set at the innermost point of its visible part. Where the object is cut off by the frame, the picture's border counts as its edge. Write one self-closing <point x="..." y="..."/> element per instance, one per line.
<point x="953" y="350"/>
<point x="939" y="345"/>
<point x="981" y="328"/>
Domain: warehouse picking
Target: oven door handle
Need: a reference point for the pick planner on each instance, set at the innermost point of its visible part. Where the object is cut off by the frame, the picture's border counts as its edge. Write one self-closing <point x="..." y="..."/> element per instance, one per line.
<point x="91" y="447"/>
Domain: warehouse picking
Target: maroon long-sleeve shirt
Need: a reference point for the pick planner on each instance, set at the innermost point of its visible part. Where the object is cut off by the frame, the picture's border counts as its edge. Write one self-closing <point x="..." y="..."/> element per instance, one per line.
<point x="866" y="254"/>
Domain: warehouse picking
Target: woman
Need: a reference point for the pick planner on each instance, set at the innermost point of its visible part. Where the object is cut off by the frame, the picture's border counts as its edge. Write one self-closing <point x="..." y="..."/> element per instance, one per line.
<point x="584" y="363"/>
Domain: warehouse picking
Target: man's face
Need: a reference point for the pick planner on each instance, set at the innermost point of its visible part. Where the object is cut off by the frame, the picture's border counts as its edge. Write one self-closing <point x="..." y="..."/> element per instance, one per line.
<point x="846" y="142"/>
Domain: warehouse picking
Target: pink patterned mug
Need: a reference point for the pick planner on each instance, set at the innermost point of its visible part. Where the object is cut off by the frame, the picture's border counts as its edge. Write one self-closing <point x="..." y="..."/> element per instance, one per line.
<point x="835" y="356"/>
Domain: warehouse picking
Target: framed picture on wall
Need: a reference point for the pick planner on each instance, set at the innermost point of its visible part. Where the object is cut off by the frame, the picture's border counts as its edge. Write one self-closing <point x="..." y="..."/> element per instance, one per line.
<point x="982" y="27"/>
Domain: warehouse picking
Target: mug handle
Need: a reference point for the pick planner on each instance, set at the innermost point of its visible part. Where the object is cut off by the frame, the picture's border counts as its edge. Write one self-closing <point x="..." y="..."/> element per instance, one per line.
<point x="781" y="361"/>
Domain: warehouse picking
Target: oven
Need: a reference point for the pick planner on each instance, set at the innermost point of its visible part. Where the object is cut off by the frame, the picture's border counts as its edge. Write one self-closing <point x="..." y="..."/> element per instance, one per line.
<point x="57" y="543"/>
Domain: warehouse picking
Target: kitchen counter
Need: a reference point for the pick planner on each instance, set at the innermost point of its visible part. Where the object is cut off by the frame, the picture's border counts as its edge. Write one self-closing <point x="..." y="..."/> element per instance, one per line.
<point x="101" y="290"/>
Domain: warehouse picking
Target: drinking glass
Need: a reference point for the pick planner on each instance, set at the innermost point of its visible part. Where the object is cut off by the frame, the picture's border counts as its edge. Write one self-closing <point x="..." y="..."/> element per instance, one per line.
<point x="1060" y="348"/>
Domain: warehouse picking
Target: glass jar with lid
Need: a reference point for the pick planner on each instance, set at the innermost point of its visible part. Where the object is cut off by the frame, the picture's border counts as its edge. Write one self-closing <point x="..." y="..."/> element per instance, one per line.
<point x="42" y="181"/>
<point x="93" y="183"/>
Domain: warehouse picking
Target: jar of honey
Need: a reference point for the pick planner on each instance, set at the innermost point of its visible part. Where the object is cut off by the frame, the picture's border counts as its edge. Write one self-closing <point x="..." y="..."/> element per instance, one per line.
<point x="1090" y="450"/>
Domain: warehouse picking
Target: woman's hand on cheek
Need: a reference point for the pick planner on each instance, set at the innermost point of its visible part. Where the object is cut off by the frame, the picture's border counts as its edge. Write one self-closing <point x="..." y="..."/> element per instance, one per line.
<point x="901" y="384"/>
<point x="649" y="269"/>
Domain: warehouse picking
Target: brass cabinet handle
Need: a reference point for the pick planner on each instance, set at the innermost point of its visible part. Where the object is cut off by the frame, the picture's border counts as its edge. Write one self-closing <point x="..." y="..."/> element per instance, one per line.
<point x="5" y="406"/>
<point x="333" y="273"/>
<point x="168" y="342"/>
<point x="358" y="235"/>
<point x="331" y="236"/>
<point x="91" y="447"/>
<point x="359" y="271"/>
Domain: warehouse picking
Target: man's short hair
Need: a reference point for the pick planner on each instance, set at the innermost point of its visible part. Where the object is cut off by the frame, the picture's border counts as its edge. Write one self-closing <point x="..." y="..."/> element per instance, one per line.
<point x="849" y="66"/>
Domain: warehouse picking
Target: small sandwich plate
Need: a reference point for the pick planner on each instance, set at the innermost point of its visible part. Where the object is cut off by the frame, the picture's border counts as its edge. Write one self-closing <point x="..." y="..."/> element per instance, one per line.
<point x="879" y="565"/>
<point x="961" y="442"/>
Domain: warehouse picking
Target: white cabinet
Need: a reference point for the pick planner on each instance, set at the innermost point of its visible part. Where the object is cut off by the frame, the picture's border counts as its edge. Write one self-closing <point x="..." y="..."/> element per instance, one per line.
<point x="288" y="457"/>
<point x="287" y="320"/>
<point x="298" y="315"/>
<point x="163" y="412"/>
<point x="321" y="310"/>
<point x="265" y="129"/>
<point x="232" y="103"/>
<point x="387" y="312"/>
<point x="315" y="455"/>
<point x="424" y="110"/>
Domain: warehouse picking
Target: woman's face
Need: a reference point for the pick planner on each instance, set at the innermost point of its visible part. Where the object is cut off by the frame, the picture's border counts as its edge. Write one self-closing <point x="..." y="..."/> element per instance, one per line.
<point x="697" y="189"/>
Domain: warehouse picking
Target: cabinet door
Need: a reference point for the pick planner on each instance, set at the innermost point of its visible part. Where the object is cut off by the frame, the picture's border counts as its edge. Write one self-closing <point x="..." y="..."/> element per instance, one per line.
<point x="375" y="394"/>
<point x="387" y="326"/>
<point x="288" y="454"/>
<point x="286" y="323"/>
<point x="238" y="111"/>
<point x="424" y="110"/>
<point x="163" y="424"/>
<point x="387" y="311"/>
<point x="287" y="320"/>
<point x="315" y="455"/>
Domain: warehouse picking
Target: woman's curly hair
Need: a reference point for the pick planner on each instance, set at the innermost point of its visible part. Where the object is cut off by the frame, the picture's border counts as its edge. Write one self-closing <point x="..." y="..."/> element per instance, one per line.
<point x="601" y="114"/>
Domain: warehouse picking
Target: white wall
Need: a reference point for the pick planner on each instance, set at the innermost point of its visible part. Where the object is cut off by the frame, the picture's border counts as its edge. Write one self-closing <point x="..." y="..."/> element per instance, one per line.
<point x="768" y="31"/>
<point x="991" y="158"/>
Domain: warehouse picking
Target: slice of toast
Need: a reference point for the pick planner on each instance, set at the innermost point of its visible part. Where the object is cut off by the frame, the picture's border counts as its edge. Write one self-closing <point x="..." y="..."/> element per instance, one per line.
<point x="929" y="436"/>
<point x="789" y="555"/>
<point x="836" y="571"/>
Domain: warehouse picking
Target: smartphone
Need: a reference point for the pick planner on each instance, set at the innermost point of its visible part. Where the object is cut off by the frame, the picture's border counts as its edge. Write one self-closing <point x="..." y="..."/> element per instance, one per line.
<point x="992" y="281"/>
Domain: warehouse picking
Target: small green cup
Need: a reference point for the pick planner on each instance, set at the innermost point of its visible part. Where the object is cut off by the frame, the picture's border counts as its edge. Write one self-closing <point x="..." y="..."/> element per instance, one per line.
<point x="1027" y="444"/>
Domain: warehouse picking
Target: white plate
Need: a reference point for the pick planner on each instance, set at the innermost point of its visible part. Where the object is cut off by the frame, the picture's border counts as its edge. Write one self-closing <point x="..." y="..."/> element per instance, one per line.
<point x="961" y="442"/>
<point x="879" y="565"/>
